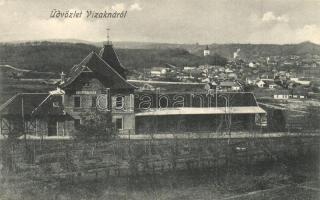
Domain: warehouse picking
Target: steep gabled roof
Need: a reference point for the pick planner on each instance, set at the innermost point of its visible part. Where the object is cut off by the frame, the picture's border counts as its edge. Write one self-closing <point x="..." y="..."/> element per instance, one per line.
<point x="76" y="71"/>
<point x="108" y="54"/>
<point x="102" y="70"/>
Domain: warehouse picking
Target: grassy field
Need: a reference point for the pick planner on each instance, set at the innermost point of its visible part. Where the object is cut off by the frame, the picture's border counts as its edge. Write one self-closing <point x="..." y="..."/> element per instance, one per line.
<point x="263" y="181"/>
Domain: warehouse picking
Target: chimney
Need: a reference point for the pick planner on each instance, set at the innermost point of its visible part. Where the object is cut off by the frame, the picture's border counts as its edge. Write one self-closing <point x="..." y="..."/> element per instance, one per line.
<point x="63" y="77"/>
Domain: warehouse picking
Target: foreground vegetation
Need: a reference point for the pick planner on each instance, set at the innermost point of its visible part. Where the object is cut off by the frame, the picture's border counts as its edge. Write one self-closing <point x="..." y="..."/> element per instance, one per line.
<point x="269" y="179"/>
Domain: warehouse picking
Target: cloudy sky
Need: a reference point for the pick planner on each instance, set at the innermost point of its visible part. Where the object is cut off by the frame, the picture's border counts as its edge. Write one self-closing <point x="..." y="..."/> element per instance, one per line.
<point x="171" y="21"/>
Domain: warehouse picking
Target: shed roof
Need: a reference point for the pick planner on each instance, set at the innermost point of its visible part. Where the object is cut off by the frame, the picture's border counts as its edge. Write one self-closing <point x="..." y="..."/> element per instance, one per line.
<point x="22" y="103"/>
<point x="203" y="111"/>
<point x="219" y="99"/>
<point x="281" y="92"/>
<point x="158" y="68"/>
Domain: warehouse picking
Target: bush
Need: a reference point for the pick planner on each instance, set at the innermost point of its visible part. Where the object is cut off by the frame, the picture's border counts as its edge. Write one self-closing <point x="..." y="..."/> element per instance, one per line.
<point x="95" y="126"/>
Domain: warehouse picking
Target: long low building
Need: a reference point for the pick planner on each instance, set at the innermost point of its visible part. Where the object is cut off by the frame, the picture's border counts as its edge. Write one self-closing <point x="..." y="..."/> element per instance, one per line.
<point x="97" y="86"/>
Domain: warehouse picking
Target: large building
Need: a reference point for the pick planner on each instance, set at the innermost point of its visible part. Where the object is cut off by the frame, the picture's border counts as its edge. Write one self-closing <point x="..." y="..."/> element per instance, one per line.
<point x="98" y="85"/>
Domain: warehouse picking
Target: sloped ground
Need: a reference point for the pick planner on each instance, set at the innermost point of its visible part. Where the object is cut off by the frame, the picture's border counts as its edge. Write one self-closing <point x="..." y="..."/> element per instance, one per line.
<point x="262" y="181"/>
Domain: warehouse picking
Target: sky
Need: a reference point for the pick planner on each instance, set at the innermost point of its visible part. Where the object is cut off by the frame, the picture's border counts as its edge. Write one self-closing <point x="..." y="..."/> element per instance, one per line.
<point x="167" y="21"/>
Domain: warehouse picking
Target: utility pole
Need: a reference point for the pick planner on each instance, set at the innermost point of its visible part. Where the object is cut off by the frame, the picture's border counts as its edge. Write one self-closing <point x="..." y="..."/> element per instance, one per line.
<point x="23" y="120"/>
<point x="157" y="107"/>
<point x="23" y="125"/>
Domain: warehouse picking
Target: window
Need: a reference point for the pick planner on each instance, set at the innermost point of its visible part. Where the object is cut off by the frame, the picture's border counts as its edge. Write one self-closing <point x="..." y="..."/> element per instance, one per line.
<point x="77" y="123"/>
<point x="94" y="101"/>
<point x="77" y="102"/>
<point x="119" y="124"/>
<point x="119" y="102"/>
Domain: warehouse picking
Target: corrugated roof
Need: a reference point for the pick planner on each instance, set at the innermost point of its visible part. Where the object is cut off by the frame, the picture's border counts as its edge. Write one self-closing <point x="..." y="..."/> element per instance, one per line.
<point x="235" y="99"/>
<point x="203" y="111"/>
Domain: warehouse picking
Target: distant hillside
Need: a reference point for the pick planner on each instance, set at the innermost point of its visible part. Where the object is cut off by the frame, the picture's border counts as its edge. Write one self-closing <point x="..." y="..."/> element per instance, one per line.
<point x="43" y="56"/>
<point x="57" y="57"/>
<point x="255" y="50"/>
<point x="225" y="50"/>
<point x="61" y="56"/>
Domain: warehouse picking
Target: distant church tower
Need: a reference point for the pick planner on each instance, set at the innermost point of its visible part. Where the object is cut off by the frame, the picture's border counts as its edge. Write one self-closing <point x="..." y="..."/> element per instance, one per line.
<point x="206" y="51"/>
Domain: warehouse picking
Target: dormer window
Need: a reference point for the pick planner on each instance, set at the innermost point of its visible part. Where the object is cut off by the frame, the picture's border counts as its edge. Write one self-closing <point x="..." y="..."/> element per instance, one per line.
<point x="119" y="102"/>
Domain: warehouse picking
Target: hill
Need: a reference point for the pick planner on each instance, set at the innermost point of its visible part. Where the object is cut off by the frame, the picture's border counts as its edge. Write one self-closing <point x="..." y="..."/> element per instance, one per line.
<point x="248" y="51"/>
<point x="226" y="50"/>
<point x="43" y="56"/>
<point x="60" y="56"/>
<point x="57" y="56"/>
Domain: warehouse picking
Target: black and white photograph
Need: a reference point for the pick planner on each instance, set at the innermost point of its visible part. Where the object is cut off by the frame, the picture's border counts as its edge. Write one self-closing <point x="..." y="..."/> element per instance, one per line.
<point x="159" y="100"/>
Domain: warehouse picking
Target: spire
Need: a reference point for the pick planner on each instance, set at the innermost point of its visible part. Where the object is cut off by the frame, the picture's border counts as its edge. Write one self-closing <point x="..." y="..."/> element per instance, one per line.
<point x="108" y="37"/>
<point x="109" y="55"/>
